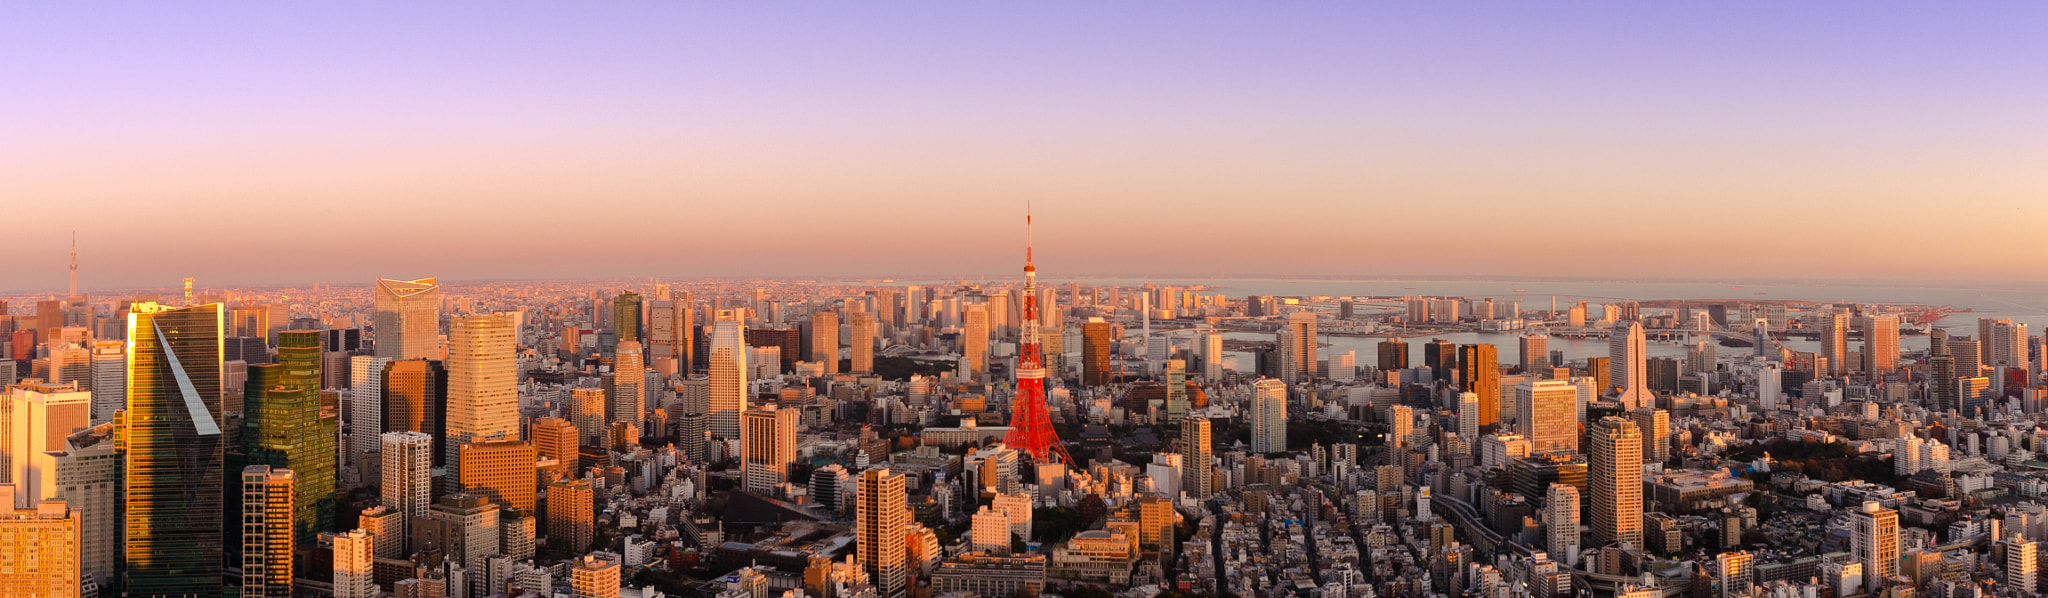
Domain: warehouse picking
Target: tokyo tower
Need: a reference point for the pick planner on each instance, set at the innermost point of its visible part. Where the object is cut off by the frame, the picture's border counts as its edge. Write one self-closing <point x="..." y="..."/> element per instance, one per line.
<point x="1030" y="426"/>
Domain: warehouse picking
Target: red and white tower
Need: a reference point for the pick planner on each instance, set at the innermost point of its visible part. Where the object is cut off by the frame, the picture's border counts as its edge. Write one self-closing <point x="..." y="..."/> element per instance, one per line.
<point x="1030" y="425"/>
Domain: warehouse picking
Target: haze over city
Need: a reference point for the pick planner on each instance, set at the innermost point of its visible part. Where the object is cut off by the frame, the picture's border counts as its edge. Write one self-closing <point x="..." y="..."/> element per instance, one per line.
<point x="291" y="144"/>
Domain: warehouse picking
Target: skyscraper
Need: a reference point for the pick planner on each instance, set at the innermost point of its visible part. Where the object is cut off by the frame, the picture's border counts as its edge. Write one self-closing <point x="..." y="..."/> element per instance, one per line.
<point x="1441" y="356"/>
<point x="1834" y="341"/>
<point x="109" y="379"/>
<point x="1479" y="372"/>
<point x="354" y="560"/>
<point x="408" y="318"/>
<point x="1195" y="457"/>
<point x="974" y="340"/>
<point x="2021" y="562"/>
<point x="1547" y="414"/>
<point x="366" y="403"/>
<point x="883" y="511"/>
<point x="1298" y="347"/>
<point x="825" y="339"/>
<point x="1625" y="347"/>
<point x="626" y="317"/>
<point x="1535" y="353"/>
<point x="1881" y="345"/>
<point x="629" y="385"/>
<point x="268" y="531"/>
<point x="1269" y="416"/>
<point x="284" y="427"/>
<point x="767" y="447"/>
<point x="863" y="342"/>
<point x="41" y="415"/>
<point x="1393" y="355"/>
<point x="408" y="456"/>
<point x="174" y="465"/>
<point x="1874" y="542"/>
<point x="1655" y="425"/>
<point x="572" y="515"/>
<point x="483" y="383"/>
<point x="41" y="554"/>
<point x="1562" y="503"/>
<point x="1468" y="416"/>
<point x="1176" y="390"/>
<point x="89" y="480"/>
<point x="1614" y="477"/>
<point x="556" y="438"/>
<point x="728" y="374"/>
<point x="1095" y="352"/>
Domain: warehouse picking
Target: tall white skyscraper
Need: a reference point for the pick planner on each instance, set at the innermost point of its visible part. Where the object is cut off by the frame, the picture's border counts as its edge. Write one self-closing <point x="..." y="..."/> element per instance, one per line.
<point x="366" y="403"/>
<point x="728" y="374"/>
<point x="42" y="415"/>
<point x="1874" y="542"/>
<point x="408" y="318"/>
<point x="483" y="384"/>
<point x="1562" y="504"/>
<point x="1269" y="416"/>
<point x="1468" y="417"/>
<point x="408" y="457"/>
<point x="1625" y="347"/>
<point x="89" y="479"/>
<point x="109" y="380"/>
<point x="1212" y="356"/>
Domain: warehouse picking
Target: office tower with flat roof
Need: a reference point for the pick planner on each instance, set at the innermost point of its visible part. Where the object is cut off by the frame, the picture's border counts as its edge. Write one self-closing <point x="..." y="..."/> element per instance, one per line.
<point x="1655" y="425"/>
<point x="284" y="426"/>
<point x="862" y="340"/>
<point x="109" y="379"/>
<point x="408" y="318"/>
<point x="1441" y="356"/>
<point x="1176" y="390"/>
<point x="89" y="481"/>
<point x="1562" y="507"/>
<point x="1834" y="341"/>
<point x="2009" y="345"/>
<point x="408" y="457"/>
<point x="664" y="338"/>
<point x="483" y="384"/>
<point x="1874" y="542"/>
<point x="38" y="418"/>
<point x="1195" y="447"/>
<point x="500" y="471"/>
<point x="1468" y="415"/>
<point x="767" y="447"/>
<point x="572" y="515"/>
<point x="387" y="526"/>
<point x="41" y="554"/>
<point x="269" y="530"/>
<point x="728" y="374"/>
<point x="366" y="403"/>
<point x="1535" y="353"/>
<point x="1881" y="345"/>
<point x="1547" y="414"/>
<point x="1614" y="479"/>
<point x="174" y="451"/>
<point x="825" y="339"/>
<point x="556" y="438"/>
<point x="1625" y="363"/>
<point x="626" y="317"/>
<point x="415" y="399"/>
<point x="1298" y="347"/>
<point x="629" y="385"/>
<point x="974" y="336"/>
<point x="1095" y="352"/>
<point x="586" y="411"/>
<point x="1393" y="355"/>
<point x="1479" y="372"/>
<point x="1212" y="356"/>
<point x="355" y="559"/>
<point x="2022" y="557"/>
<point x="1269" y="416"/>
<point x="883" y="511"/>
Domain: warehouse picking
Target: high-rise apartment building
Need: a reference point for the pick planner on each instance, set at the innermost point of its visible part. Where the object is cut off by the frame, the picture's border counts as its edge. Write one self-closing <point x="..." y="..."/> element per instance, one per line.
<point x="1479" y="372"/>
<point x="592" y="577"/>
<point x="1834" y="341"/>
<point x="825" y="339"/>
<point x="862" y="340"/>
<point x="408" y="318"/>
<point x="728" y="374"/>
<point x="629" y="385"/>
<point x="500" y="471"/>
<point x="1547" y="414"/>
<point x="408" y="457"/>
<point x="1195" y="447"/>
<point x="1535" y="353"/>
<point x="1298" y="347"/>
<point x="1269" y="416"/>
<point x="1874" y="542"/>
<point x="572" y="515"/>
<point x="1625" y="355"/>
<point x="268" y="531"/>
<point x="1655" y="425"/>
<point x="556" y="438"/>
<point x="1562" y="519"/>
<point x="366" y="403"/>
<point x="109" y="379"/>
<point x="974" y="337"/>
<point x="767" y="447"/>
<point x="882" y="514"/>
<point x="175" y="459"/>
<point x="355" y="559"/>
<point x="586" y="410"/>
<point x="1614" y="478"/>
<point x="2022" y="558"/>
<point x="40" y="556"/>
<point x="483" y="384"/>
<point x="1881" y="345"/>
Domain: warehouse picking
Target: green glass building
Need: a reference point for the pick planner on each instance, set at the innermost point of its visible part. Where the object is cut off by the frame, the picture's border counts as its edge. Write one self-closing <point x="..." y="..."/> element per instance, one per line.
<point x="625" y="318"/>
<point x="285" y="425"/>
<point x="174" y="451"/>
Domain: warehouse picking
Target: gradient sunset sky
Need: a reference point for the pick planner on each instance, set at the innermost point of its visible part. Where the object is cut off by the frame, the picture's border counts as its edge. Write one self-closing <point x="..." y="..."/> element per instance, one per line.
<point x="296" y="142"/>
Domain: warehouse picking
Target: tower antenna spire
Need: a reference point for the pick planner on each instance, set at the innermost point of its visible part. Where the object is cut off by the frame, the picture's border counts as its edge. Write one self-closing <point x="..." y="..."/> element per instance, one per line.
<point x="74" y="265"/>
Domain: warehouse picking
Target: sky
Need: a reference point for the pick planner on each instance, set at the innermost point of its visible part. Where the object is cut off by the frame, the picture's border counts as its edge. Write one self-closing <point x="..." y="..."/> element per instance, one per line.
<point x="258" y="143"/>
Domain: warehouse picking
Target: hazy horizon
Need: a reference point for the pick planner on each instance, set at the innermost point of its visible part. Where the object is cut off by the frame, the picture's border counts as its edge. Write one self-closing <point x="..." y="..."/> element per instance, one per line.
<point x="283" y="144"/>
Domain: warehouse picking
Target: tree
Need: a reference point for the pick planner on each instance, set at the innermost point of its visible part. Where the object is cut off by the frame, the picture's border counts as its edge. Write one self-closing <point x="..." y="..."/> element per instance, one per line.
<point x="1091" y="509"/>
